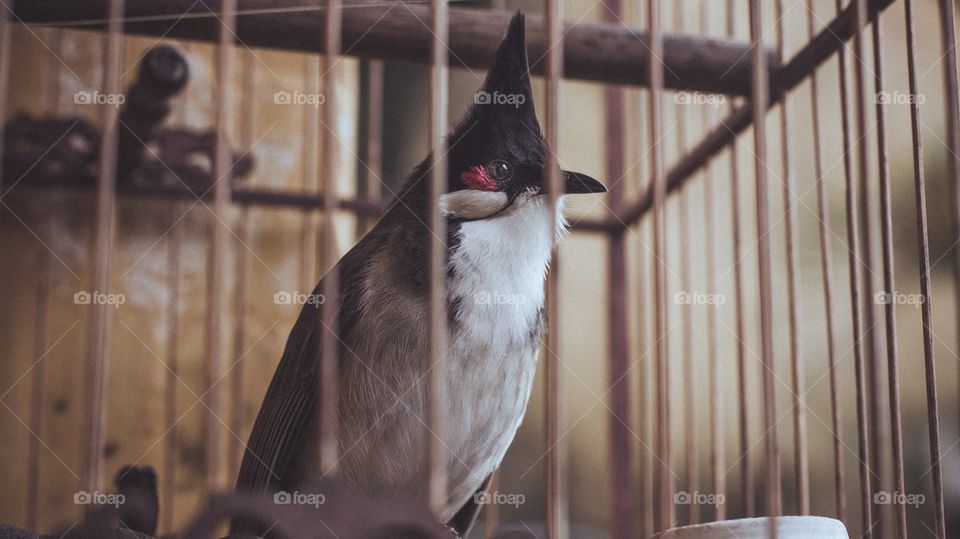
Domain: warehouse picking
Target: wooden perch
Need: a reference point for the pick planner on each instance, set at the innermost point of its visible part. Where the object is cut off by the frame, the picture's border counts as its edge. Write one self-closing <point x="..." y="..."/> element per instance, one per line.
<point x="610" y="53"/>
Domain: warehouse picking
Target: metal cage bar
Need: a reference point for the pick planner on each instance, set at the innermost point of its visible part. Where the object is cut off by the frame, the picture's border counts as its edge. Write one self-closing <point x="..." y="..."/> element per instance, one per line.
<point x="216" y="287"/>
<point x="619" y="419"/>
<point x="759" y="107"/>
<point x="798" y="386"/>
<point x="826" y="274"/>
<point x="436" y="418"/>
<point x="746" y="468"/>
<point x="948" y="29"/>
<point x="98" y="353"/>
<point x="172" y="321"/>
<point x="926" y="309"/>
<point x="621" y="469"/>
<point x="556" y="495"/>
<point x="718" y="457"/>
<point x="890" y="323"/>
<point x="38" y="385"/>
<point x="329" y="315"/>
<point x="856" y="259"/>
<point x="665" y="477"/>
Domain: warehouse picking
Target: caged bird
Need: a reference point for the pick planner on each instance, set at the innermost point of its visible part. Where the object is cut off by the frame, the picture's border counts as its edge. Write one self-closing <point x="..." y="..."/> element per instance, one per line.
<point x="500" y="236"/>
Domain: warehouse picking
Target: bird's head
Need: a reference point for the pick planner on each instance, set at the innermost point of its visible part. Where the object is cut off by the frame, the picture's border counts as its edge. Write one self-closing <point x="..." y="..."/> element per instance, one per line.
<point x="497" y="155"/>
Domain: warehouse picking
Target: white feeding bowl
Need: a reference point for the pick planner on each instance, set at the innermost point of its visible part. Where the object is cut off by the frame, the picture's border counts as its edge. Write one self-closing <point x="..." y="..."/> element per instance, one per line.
<point x="790" y="527"/>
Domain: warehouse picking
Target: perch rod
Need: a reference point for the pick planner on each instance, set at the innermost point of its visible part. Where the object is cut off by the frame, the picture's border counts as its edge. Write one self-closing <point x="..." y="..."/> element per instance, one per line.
<point x="604" y="52"/>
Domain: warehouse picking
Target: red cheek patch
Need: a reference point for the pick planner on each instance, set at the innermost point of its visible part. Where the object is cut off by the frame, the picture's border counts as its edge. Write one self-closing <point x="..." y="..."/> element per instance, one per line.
<point x="477" y="178"/>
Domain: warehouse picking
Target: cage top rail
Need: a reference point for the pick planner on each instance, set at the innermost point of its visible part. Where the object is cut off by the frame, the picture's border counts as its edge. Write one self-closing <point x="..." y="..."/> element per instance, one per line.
<point x="603" y="52"/>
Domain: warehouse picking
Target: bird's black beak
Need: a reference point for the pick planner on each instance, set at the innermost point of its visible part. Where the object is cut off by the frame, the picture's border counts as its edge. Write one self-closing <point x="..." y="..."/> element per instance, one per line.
<point x="575" y="182"/>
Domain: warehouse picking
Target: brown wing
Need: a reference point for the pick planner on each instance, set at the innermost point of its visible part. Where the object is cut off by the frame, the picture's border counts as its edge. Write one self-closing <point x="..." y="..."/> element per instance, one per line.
<point x="273" y="459"/>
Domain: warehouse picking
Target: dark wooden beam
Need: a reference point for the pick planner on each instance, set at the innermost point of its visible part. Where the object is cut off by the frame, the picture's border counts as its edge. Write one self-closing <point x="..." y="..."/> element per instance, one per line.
<point x="609" y="53"/>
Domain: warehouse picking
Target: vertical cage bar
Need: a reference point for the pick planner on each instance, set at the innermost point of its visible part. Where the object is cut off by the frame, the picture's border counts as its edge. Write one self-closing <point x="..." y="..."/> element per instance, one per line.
<point x="172" y="315"/>
<point x="44" y="273"/>
<point x="372" y="170"/>
<point x="491" y="513"/>
<point x="216" y="293"/>
<point x="665" y="479"/>
<point x="171" y="380"/>
<point x="926" y="308"/>
<point x="759" y="101"/>
<point x="237" y="415"/>
<point x="620" y="446"/>
<point x="826" y="271"/>
<point x="717" y="445"/>
<point x="645" y="411"/>
<point x="98" y="359"/>
<point x="948" y="30"/>
<point x="855" y="261"/>
<point x="746" y="469"/>
<point x="871" y="360"/>
<point x="691" y="451"/>
<point x="556" y="510"/>
<point x="645" y="336"/>
<point x="890" y="320"/>
<point x="309" y="247"/>
<point x="38" y="386"/>
<point x="329" y="315"/>
<point x="800" y="451"/>
<point x="439" y="101"/>
<point x="5" y="30"/>
<point x="242" y="224"/>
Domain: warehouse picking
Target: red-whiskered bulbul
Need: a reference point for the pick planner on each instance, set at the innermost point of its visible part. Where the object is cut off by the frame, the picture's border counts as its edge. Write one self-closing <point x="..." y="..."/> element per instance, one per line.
<point x="500" y="234"/>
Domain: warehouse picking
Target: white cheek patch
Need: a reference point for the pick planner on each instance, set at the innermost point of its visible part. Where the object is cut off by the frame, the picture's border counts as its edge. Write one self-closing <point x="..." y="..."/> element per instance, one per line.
<point x="473" y="204"/>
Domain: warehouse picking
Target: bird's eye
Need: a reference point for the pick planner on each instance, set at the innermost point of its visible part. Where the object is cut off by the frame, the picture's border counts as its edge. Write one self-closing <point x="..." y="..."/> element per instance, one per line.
<point x="499" y="170"/>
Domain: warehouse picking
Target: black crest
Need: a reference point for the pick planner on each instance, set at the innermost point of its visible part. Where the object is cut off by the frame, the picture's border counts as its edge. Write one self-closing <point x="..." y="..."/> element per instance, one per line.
<point x="502" y="121"/>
